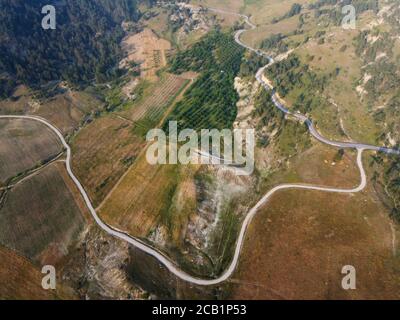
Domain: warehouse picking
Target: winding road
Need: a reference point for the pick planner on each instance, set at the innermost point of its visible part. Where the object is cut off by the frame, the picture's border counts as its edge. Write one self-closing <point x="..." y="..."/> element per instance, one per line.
<point x="163" y="259"/>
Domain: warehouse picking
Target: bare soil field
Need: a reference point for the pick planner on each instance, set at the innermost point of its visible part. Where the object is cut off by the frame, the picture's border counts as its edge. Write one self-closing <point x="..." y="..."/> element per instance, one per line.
<point x="39" y="217"/>
<point x="24" y="144"/>
<point x="102" y="151"/>
<point x="20" y="279"/>
<point x="147" y="49"/>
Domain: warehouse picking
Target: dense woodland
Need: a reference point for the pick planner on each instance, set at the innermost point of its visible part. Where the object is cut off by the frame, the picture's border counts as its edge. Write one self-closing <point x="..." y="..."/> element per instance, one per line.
<point x="84" y="46"/>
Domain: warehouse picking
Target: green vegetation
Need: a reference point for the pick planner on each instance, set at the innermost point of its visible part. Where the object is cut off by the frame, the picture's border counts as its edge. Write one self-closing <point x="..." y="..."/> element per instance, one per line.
<point x="335" y="13"/>
<point x="251" y="64"/>
<point x="6" y="87"/>
<point x="339" y="155"/>
<point x="275" y="42"/>
<point x="84" y="46"/>
<point x="294" y="10"/>
<point x="211" y="101"/>
<point x="393" y="184"/>
<point x="292" y="76"/>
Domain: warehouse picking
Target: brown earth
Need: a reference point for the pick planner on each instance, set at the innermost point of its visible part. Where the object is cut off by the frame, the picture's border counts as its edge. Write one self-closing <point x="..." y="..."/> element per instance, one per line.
<point x="20" y="279"/>
<point x="39" y="217"/>
<point x="298" y="243"/>
<point x="147" y="49"/>
<point x="24" y="144"/>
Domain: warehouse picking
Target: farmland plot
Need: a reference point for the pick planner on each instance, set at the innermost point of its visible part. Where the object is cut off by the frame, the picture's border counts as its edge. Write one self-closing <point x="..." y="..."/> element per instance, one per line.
<point x="147" y="49"/>
<point x="24" y="144"/>
<point x="40" y="216"/>
<point x="20" y="279"/>
<point x="68" y="110"/>
<point x="153" y="104"/>
<point x="102" y="151"/>
<point x="141" y="198"/>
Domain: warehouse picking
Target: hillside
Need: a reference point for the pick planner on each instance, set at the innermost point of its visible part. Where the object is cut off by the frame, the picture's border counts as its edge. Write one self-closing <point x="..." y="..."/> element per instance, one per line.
<point x="324" y="192"/>
<point x="84" y="46"/>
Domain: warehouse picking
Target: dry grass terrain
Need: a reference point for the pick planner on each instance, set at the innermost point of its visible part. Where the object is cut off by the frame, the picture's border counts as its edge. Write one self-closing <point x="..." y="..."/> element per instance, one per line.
<point x="24" y="144"/>
<point x="141" y="197"/>
<point x="66" y="110"/>
<point x="263" y="11"/>
<point x="104" y="149"/>
<point x="21" y="102"/>
<point x="338" y="52"/>
<point x="298" y="243"/>
<point x="318" y="165"/>
<point x="102" y="152"/>
<point x="232" y="5"/>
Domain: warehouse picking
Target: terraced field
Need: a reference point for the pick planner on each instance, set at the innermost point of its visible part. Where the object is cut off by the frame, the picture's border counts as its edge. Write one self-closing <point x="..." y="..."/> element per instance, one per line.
<point x="152" y="106"/>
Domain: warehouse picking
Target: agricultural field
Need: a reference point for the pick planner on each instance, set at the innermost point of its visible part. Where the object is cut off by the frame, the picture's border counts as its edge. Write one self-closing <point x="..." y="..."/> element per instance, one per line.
<point x="40" y="217"/>
<point x="147" y="49"/>
<point x="21" y="280"/>
<point x="102" y="151"/>
<point x="24" y="145"/>
<point x="142" y="196"/>
<point x="211" y="101"/>
<point x="156" y="98"/>
<point x="180" y="63"/>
